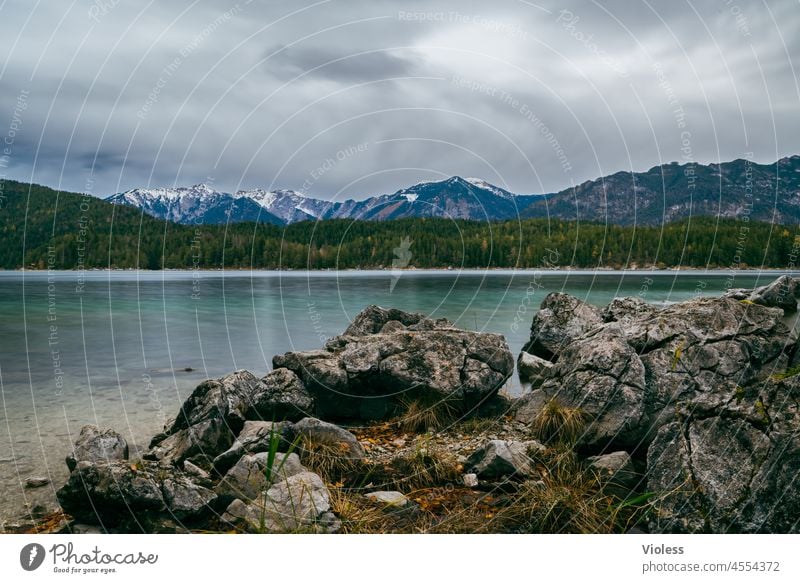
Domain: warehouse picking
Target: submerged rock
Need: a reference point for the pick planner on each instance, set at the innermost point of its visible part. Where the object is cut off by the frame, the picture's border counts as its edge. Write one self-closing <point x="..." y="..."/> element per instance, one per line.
<point x="36" y="481"/>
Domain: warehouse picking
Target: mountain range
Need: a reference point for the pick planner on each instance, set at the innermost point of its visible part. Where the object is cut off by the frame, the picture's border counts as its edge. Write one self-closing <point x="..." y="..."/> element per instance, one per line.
<point x="665" y="193"/>
<point x="455" y="197"/>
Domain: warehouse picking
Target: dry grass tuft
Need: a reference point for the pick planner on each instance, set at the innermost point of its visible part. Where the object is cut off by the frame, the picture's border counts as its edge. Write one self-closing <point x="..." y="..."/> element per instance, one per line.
<point x="559" y="424"/>
<point x="425" y="413"/>
<point x="332" y="462"/>
<point x="425" y="467"/>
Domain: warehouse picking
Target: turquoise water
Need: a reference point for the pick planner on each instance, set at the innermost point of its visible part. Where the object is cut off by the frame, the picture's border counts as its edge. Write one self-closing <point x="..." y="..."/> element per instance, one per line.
<point x="113" y="348"/>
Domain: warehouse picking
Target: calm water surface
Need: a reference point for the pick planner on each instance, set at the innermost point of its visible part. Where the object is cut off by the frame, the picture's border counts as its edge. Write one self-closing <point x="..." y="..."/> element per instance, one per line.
<point x="115" y="349"/>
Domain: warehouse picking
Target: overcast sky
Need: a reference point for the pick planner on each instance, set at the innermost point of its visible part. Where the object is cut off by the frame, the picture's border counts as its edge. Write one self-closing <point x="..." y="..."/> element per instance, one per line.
<point x="344" y="99"/>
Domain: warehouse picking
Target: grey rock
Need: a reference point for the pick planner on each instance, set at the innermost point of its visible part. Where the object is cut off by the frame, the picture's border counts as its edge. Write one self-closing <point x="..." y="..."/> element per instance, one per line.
<point x="281" y="396"/>
<point x="195" y="471"/>
<point x="224" y="401"/>
<point x="366" y="374"/>
<point x="372" y="320"/>
<point x="114" y="492"/>
<point x="533" y="369"/>
<point x="393" y="326"/>
<point x="333" y="437"/>
<point x="781" y="293"/>
<point x="560" y="320"/>
<point x="603" y="376"/>
<point x="388" y="498"/>
<point x="616" y="471"/>
<point x="630" y="377"/>
<point x="247" y="479"/>
<point x="627" y="309"/>
<point x="527" y="407"/>
<point x="184" y="499"/>
<point x="301" y="502"/>
<point x="497" y="459"/>
<point x="97" y="445"/>
<point x="470" y="480"/>
<point x="731" y="467"/>
<point x="201" y="442"/>
<point x="255" y="437"/>
<point x="37" y="481"/>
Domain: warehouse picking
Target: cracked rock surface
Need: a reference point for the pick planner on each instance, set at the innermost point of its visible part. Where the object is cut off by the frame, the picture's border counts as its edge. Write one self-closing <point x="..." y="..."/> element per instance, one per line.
<point x="703" y="389"/>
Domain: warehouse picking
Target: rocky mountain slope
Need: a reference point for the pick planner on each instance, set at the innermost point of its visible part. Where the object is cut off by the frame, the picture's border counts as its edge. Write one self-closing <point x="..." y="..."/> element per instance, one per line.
<point x="739" y="189"/>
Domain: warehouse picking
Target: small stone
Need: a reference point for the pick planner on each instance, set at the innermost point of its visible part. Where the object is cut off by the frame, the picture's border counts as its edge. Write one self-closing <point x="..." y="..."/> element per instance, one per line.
<point x="80" y="528"/>
<point x="471" y="480"/>
<point x="36" y="482"/>
<point x="194" y="470"/>
<point x="388" y="498"/>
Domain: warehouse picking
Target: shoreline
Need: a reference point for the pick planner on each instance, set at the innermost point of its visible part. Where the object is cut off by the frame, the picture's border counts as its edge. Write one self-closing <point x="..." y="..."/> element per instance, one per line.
<point x="471" y="270"/>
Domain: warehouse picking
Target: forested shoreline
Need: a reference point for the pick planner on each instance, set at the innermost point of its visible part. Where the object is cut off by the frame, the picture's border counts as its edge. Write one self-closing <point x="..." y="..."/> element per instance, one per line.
<point x="46" y="229"/>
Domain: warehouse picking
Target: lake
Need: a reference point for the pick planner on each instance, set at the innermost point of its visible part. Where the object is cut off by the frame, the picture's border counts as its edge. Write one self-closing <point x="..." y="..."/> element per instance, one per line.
<point x="123" y="349"/>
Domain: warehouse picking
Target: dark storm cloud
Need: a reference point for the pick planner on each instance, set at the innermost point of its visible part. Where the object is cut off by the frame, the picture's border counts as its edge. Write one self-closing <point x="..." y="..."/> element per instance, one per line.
<point x="323" y="62"/>
<point x="531" y="96"/>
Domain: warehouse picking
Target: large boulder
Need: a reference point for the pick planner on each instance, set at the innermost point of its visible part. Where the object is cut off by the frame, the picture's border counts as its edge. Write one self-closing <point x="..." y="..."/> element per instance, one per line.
<point x="730" y="466"/>
<point x="631" y="376"/>
<point x="110" y="493"/>
<point x="560" y="320"/>
<point x="299" y="503"/>
<point x="225" y="400"/>
<point x="603" y="376"/>
<point x="215" y="413"/>
<point x="281" y="396"/>
<point x="703" y="389"/>
<point x="377" y="320"/>
<point x="97" y="445"/>
<point x="364" y="375"/>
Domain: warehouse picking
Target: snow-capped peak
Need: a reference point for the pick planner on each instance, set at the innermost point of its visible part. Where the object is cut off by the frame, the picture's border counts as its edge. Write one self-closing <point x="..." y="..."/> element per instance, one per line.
<point x="482" y="184"/>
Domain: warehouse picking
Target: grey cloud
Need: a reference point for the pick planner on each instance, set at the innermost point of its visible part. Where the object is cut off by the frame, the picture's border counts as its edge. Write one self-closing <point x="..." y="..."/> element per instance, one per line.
<point x="186" y="93"/>
<point x="322" y="62"/>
